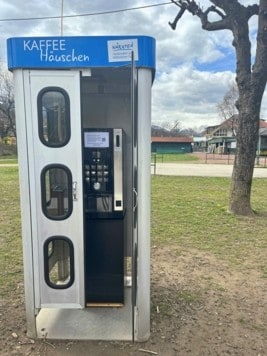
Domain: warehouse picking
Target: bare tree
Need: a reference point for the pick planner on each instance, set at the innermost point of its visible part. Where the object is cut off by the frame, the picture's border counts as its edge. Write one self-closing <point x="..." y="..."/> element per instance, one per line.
<point x="176" y="128"/>
<point x="158" y="131"/>
<point x="250" y="79"/>
<point x="173" y="128"/>
<point x="7" y="109"/>
<point x="227" y="108"/>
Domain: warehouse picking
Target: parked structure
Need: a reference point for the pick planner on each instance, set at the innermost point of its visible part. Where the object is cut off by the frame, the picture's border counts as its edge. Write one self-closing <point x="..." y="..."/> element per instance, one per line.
<point x="171" y="144"/>
<point x="83" y="109"/>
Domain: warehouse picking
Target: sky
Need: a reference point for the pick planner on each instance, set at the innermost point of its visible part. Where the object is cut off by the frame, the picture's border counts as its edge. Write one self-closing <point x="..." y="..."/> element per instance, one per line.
<point x="194" y="68"/>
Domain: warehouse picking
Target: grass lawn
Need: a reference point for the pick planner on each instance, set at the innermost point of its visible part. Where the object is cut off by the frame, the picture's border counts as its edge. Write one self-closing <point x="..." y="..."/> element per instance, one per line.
<point x="10" y="232"/>
<point x="173" y="157"/>
<point x="188" y="212"/>
<point x="8" y="159"/>
<point x="191" y="212"/>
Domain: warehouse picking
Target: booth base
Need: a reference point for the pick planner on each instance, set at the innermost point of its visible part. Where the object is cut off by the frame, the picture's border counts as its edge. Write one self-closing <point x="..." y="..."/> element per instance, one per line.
<point x="86" y="324"/>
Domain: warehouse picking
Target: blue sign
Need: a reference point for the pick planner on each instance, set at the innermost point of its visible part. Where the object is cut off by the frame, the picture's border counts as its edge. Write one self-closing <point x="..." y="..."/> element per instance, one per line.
<point x="80" y="52"/>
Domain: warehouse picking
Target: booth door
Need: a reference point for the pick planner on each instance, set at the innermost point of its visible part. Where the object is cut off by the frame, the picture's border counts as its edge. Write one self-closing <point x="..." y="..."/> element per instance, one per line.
<point x="54" y="149"/>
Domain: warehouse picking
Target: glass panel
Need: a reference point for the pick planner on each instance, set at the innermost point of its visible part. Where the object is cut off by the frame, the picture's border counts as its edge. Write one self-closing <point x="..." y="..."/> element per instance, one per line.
<point x="54" y="117"/>
<point x="59" y="263"/>
<point x="56" y="192"/>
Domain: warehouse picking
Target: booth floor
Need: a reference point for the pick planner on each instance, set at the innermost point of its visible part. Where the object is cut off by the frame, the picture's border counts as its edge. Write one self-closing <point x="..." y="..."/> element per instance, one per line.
<point x="87" y="324"/>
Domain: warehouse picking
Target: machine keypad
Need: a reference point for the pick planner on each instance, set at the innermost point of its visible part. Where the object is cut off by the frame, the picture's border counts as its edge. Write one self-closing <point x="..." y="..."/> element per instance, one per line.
<point x="97" y="170"/>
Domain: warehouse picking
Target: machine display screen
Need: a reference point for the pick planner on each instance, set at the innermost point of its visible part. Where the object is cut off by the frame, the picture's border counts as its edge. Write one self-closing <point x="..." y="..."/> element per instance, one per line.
<point x="96" y="139"/>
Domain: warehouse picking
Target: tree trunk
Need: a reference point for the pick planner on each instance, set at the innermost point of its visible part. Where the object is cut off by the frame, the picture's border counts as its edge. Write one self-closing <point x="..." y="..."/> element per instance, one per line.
<point x="251" y="82"/>
<point x="247" y="138"/>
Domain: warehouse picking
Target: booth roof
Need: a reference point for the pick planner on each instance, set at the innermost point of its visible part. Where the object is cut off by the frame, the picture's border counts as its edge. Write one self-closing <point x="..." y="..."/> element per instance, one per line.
<point x="172" y="139"/>
<point x="80" y="52"/>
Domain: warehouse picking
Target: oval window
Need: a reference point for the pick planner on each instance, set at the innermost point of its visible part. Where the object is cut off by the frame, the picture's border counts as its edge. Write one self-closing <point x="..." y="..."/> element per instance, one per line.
<point x="56" y="191"/>
<point x="53" y="116"/>
<point x="59" y="262"/>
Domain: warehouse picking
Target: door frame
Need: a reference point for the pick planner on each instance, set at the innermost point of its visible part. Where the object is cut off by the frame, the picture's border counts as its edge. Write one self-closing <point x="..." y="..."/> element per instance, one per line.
<point x="40" y="156"/>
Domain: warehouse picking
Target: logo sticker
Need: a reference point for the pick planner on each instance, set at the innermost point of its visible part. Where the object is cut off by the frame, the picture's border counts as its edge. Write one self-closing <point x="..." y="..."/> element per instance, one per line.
<point x="121" y="50"/>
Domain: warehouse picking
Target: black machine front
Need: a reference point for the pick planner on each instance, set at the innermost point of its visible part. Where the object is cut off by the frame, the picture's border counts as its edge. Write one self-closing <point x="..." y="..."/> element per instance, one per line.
<point x="104" y="216"/>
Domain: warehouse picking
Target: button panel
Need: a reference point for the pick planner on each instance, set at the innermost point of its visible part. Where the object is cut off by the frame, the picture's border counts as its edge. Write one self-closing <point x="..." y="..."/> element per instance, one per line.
<point x="97" y="170"/>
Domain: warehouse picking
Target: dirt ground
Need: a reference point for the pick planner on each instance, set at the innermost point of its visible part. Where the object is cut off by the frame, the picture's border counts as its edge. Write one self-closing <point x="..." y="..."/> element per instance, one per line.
<point x="199" y="306"/>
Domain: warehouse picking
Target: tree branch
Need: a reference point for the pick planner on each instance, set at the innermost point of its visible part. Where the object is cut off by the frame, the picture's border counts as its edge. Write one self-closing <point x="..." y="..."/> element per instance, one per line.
<point x="223" y="24"/>
<point x="194" y="9"/>
<point x="252" y="10"/>
<point x="226" y="6"/>
<point x="214" y="9"/>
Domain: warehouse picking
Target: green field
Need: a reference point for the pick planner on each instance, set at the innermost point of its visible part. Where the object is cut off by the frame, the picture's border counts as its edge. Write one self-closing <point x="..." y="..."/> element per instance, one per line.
<point x="10" y="233"/>
<point x="173" y="157"/>
<point x="187" y="212"/>
<point x="192" y="213"/>
<point x="8" y="159"/>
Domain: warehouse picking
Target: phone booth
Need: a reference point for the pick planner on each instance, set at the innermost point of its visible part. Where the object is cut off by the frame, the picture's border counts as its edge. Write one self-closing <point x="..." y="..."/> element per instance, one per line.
<point x="83" y="117"/>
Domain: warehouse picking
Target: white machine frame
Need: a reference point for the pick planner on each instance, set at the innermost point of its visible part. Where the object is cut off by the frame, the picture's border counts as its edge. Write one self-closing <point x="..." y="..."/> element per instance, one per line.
<point x="55" y="313"/>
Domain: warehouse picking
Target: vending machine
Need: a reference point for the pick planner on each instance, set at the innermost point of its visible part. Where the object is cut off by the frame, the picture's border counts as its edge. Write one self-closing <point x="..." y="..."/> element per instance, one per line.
<point x="83" y="117"/>
<point x="104" y="216"/>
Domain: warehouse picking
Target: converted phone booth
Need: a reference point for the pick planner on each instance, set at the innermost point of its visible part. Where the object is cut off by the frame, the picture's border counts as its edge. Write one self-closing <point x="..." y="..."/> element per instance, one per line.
<point x="83" y="107"/>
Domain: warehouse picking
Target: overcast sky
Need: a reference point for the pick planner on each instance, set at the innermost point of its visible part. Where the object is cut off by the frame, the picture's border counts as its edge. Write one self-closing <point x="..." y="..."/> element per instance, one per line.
<point x="195" y="68"/>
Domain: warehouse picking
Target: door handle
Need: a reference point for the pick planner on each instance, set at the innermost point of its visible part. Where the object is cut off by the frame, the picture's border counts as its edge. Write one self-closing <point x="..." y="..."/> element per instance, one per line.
<point x="135" y="199"/>
<point x="74" y="190"/>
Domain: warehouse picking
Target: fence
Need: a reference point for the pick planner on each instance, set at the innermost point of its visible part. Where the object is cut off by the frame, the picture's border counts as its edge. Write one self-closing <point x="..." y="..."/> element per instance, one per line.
<point x="219" y="158"/>
<point x="213" y="158"/>
<point x="202" y="157"/>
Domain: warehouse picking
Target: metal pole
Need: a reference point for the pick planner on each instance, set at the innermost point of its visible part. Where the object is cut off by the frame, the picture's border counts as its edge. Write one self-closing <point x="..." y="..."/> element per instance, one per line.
<point x="61" y="22"/>
<point x="259" y="150"/>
